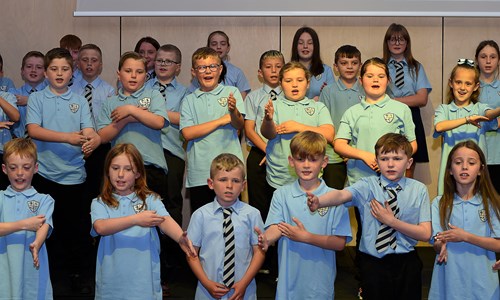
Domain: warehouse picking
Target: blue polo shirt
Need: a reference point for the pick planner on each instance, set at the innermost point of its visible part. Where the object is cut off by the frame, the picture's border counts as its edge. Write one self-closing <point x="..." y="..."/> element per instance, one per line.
<point x="318" y="81"/>
<point x="490" y="95"/>
<point x="19" y="128"/>
<point x="5" y="134"/>
<point x="101" y="91"/>
<point x="59" y="162"/>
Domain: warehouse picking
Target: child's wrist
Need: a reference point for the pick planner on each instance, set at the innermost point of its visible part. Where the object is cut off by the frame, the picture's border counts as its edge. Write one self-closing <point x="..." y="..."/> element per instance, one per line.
<point x="467" y="120"/>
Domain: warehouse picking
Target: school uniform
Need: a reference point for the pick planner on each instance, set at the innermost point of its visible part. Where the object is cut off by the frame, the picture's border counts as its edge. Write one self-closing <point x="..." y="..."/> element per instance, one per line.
<point x="5" y="134"/>
<point x="19" y="128"/>
<point x="6" y="84"/>
<point x="305" y="111"/>
<point x="306" y="271"/>
<point x="234" y="76"/>
<point x="462" y="133"/>
<point x="364" y="123"/>
<point x="338" y="98"/>
<point x="59" y="162"/>
<point x="128" y="262"/>
<point x="101" y="91"/>
<point x="467" y="274"/>
<point x="412" y="83"/>
<point x="20" y="278"/>
<point x="379" y="269"/>
<point x="205" y="231"/>
<point x="490" y="94"/>
<point x="258" y="188"/>
<point x="317" y="82"/>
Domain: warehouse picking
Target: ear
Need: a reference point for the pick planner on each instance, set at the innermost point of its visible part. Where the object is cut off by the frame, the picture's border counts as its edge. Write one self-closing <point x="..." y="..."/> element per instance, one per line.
<point x="137" y="175"/>
<point x="325" y="162"/>
<point x="259" y="72"/>
<point x="193" y="72"/>
<point x="118" y="74"/>
<point x="244" y="185"/>
<point x="291" y="161"/>
<point x="4" y="169"/>
<point x="45" y="74"/>
<point x="210" y="183"/>
<point x="408" y="165"/>
<point x="476" y="87"/>
<point x="450" y="83"/>
<point x="36" y="168"/>
<point x="336" y="68"/>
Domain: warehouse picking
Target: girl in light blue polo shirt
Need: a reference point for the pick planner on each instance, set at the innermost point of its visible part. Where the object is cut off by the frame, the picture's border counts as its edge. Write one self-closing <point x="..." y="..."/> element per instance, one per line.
<point x="305" y="49"/>
<point x="487" y="58"/>
<point x="125" y="216"/>
<point x="463" y="118"/>
<point x="466" y="229"/>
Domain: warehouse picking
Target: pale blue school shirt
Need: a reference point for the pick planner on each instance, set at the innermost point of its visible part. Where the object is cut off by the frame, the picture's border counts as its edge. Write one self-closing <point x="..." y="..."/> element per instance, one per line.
<point x="101" y="91"/>
<point x="19" y="128"/>
<point x="414" y="208"/>
<point x="62" y="163"/>
<point x="201" y="107"/>
<point x="364" y="123"/>
<point x="306" y="271"/>
<point x="317" y="82"/>
<point x="6" y="84"/>
<point x="461" y="133"/>
<point x="205" y="231"/>
<point x="128" y="262"/>
<point x="147" y="140"/>
<point x="467" y="274"/>
<point x="5" y="134"/>
<point x="20" y="279"/>
<point x="490" y="94"/>
<point x="338" y="98"/>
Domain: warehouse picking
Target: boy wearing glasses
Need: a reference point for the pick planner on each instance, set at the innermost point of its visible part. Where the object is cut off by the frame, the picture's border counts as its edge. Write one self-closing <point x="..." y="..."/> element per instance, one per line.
<point x="210" y="119"/>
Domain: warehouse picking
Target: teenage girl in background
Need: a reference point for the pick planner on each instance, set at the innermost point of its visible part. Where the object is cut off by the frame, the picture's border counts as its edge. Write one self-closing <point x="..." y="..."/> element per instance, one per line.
<point x="305" y="49"/>
<point x="463" y="118"/>
<point x="413" y="89"/>
<point x="487" y="54"/>
<point x="466" y="229"/>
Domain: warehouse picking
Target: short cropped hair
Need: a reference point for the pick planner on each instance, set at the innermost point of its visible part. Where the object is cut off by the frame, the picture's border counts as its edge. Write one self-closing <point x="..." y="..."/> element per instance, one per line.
<point x="392" y="142"/>
<point x="70" y="41"/>
<point x="24" y="147"/>
<point x="308" y="144"/>
<point x="29" y="55"/>
<point x="347" y="51"/>
<point x="270" y="54"/>
<point x="226" y="162"/>
<point x="90" y="47"/>
<point x="133" y="55"/>
<point x="204" y="53"/>
<point x="292" y="65"/>
<point x="174" y="49"/>
<point x="57" y="53"/>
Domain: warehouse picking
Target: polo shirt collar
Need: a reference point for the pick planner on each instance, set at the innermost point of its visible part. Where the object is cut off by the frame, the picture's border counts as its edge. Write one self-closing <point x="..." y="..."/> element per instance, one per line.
<point x="304" y="102"/>
<point x="475" y="200"/>
<point x="342" y="87"/>
<point x="268" y="89"/>
<point x="494" y="84"/>
<point x="454" y="107"/>
<point x="135" y="95"/>
<point x="380" y="103"/>
<point x="49" y="94"/>
<point x="386" y="183"/>
<point x="94" y="83"/>
<point x="132" y="197"/>
<point x="236" y="207"/>
<point x="403" y="61"/>
<point x="215" y="91"/>
<point x="297" y="192"/>
<point x="10" y="192"/>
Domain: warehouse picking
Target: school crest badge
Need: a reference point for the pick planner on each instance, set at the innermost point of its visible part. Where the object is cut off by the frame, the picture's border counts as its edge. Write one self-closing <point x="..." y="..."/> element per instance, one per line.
<point x="145" y="103"/>
<point x="322" y="211"/>
<point x="389" y="117"/>
<point x="318" y="77"/>
<point x="33" y="205"/>
<point x="310" y="110"/>
<point x="138" y="207"/>
<point x="222" y="101"/>
<point x="482" y="215"/>
<point x="74" y="107"/>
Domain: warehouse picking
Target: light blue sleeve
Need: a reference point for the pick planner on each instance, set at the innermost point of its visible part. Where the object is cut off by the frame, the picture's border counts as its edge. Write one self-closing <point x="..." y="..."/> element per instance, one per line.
<point x="422" y="81"/>
<point x="187" y="112"/>
<point x="98" y="211"/>
<point x="276" y="210"/>
<point x="409" y="126"/>
<point x="345" y="128"/>
<point x="34" y="114"/>
<point x="195" y="228"/>
<point x="341" y="224"/>
<point x="436" y="220"/>
<point x="441" y="114"/>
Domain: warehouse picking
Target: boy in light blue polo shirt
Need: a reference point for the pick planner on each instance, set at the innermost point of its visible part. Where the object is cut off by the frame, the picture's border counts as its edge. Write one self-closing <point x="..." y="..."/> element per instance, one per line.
<point x="210" y="119"/>
<point x="306" y="241"/>
<point x="136" y="116"/>
<point x="25" y="224"/>
<point x="8" y="116"/>
<point x="207" y="233"/>
<point x="60" y="124"/>
<point x="34" y="80"/>
<point x="338" y="97"/>
<point x="6" y="83"/>
<point x="395" y="214"/>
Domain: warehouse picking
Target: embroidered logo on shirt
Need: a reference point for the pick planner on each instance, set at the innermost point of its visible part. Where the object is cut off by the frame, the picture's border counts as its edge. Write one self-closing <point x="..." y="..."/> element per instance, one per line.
<point x="222" y="101"/>
<point x="33" y="205"/>
<point x="145" y="102"/>
<point x="138" y="208"/>
<point x="309" y="110"/>
<point x="74" y="107"/>
<point x="389" y="117"/>
<point x="322" y="211"/>
<point x="482" y="215"/>
<point x="318" y="77"/>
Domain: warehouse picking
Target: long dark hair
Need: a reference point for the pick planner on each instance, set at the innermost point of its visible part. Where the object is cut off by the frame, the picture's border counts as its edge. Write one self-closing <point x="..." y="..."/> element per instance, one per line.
<point x="316" y="62"/>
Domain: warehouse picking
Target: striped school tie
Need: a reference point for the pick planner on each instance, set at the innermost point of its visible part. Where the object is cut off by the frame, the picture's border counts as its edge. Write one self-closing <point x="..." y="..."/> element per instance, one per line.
<point x="163" y="90"/>
<point x="88" y="95"/>
<point x="229" y="249"/>
<point x="32" y="91"/>
<point x="273" y="95"/>
<point x="400" y="74"/>
<point x="386" y="236"/>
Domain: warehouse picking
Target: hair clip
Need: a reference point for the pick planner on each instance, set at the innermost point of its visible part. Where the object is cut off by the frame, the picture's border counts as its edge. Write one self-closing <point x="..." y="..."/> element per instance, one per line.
<point x="465" y="61"/>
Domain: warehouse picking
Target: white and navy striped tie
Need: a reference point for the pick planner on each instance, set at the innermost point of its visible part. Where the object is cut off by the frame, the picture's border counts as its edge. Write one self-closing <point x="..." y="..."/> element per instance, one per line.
<point x="163" y="90"/>
<point x="400" y="74"/>
<point x="386" y="236"/>
<point x="229" y="249"/>
<point x="88" y="95"/>
<point x="273" y="95"/>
